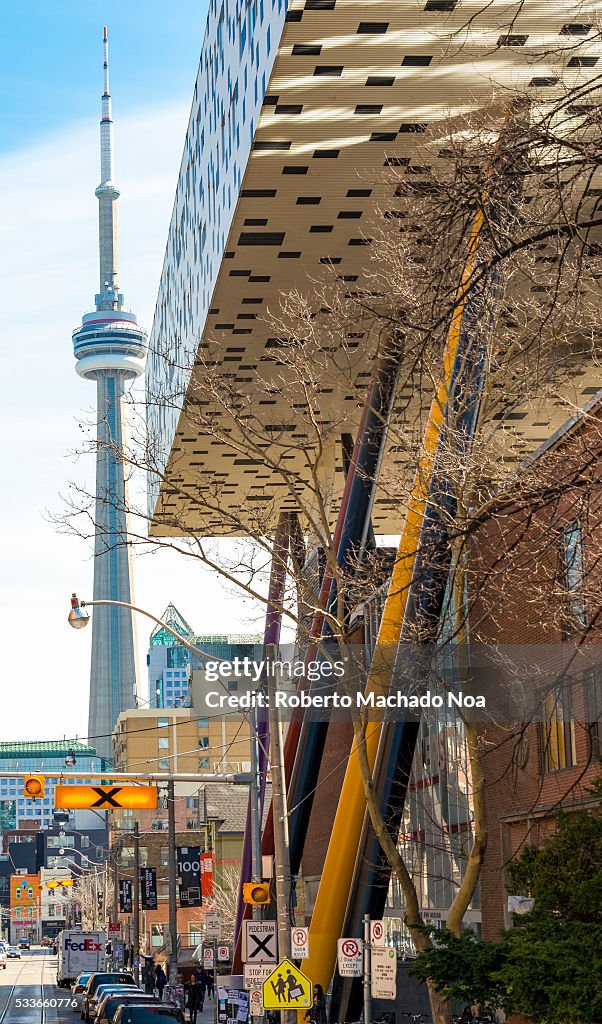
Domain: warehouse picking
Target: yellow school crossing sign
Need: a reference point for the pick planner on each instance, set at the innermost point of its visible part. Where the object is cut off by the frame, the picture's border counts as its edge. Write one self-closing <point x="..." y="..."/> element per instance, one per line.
<point x="286" y="988"/>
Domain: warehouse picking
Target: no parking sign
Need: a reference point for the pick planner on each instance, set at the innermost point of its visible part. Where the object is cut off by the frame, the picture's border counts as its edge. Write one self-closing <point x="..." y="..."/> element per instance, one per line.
<point x="350" y="957"/>
<point x="300" y="943"/>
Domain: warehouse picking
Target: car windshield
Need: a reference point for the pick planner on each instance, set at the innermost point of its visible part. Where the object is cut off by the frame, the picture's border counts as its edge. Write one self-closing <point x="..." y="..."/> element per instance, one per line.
<point x="154" y="1014"/>
<point x="103" y="990"/>
<point x="111" y="1004"/>
<point x="103" y="979"/>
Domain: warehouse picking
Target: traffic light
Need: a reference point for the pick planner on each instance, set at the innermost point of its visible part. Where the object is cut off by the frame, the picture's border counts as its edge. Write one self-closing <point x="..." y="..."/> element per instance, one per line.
<point x="33" y="786"/>
<point x="256" y="893"/>
<point x="99" y="899"/>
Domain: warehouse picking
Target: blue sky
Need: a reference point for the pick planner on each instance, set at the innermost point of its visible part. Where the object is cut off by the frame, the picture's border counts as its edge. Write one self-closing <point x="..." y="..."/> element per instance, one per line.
<point x="51" y="58"/>
<point x="51" y="72"/>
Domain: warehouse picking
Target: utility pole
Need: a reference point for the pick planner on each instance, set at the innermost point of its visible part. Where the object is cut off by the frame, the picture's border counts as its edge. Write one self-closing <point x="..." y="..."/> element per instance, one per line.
<point x="367" y="971"/>
<point x="106" y="895"/>
<point x="116" y="884"/>
<point x="172" y="870"/>
<point x="280" y="815"/>
<point x="256" y="854"/>
<point x="137" y="901"/>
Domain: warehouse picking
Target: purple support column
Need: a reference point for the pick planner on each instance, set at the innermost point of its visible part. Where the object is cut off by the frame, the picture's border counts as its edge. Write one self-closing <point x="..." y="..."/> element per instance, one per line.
<point x="273" y="623"/>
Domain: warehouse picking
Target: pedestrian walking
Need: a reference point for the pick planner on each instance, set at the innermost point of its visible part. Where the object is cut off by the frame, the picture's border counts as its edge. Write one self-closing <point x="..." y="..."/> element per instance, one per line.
<point x="210" y="984"/>
<point x="160" y="980"/>
<point x="193" y="998"/>
<point x="202" y="983"/>
<point x="317" y="1011"/>
<point x="148" y="975"/>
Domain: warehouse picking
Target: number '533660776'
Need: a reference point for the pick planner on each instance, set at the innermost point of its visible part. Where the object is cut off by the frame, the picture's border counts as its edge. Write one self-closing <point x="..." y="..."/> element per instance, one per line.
<point x="39" y="1003"/>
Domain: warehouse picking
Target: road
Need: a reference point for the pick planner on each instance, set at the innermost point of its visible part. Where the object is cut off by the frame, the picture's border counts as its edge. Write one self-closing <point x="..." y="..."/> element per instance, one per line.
<point x="29" y="994"/>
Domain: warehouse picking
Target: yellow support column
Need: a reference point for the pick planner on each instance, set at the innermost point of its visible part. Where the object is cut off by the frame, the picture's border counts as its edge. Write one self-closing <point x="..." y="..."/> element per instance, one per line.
<point x="331" y="902"/>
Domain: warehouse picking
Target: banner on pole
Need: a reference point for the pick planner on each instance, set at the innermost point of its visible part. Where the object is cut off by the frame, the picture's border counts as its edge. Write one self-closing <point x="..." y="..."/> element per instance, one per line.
<point x="189" y="873"/>
<point x="148" y="888"/>
<point x="125" y="896"/>
<point x="207" y="874"/>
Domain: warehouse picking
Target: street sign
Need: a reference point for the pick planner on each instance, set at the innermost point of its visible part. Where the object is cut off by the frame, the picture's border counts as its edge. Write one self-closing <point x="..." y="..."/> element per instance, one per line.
<point x="377" y="933"/>
<point x="350" y="954"/>
<point x="260" y="944"/>
<point x="383" y="971"/>
<point x="213" y="925"/>
<point x="287" y="988"/>
<point x="223" y="953"/>
<point x="300" y="943"/>
<point x="256" y="1003"/>
<point x="106" y="798"/>
<point x="208" y="957"/>
<point x="254" y="975"/>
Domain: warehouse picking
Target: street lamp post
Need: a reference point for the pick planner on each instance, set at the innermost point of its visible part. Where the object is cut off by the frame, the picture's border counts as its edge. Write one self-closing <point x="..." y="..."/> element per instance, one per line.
<point x="172" y="870"/>
<point x="79" y="618"/>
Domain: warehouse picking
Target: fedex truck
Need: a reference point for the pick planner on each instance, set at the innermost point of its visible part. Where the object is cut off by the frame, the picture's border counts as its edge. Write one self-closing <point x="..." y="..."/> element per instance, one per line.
<point x="77" y="952"/>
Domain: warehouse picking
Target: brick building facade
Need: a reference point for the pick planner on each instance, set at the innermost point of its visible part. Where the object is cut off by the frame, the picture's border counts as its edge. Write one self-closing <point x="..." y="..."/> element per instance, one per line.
<point x="538" y="581"/>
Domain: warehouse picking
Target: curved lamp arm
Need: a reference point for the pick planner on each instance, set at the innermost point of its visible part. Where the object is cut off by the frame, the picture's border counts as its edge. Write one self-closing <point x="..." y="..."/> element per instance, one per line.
<point x="79" y="618"/>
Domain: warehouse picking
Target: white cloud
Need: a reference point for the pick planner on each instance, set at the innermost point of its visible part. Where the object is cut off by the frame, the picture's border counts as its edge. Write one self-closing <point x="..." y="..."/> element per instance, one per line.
<point x="49" y="227"/>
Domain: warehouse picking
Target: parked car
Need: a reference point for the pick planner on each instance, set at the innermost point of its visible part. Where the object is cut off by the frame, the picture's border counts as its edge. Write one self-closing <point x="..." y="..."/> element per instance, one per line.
<point x="141" y="1014"/>
<point x="109" y="989"/>
<point x="111" y="1003"/>
<point x="77" y="989"/>
<point x="2" y="957"/>
<point x="13" y="953"/>
<point x="93" y="984"/>
<point x="23" y="944"/>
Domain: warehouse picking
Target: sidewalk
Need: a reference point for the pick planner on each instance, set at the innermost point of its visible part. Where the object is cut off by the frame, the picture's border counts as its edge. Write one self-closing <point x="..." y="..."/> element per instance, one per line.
<point x="204" y="1016"/>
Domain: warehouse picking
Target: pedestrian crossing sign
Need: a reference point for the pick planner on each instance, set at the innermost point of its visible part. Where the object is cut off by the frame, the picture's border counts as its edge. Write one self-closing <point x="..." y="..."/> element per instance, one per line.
<point x="286" y="988"/>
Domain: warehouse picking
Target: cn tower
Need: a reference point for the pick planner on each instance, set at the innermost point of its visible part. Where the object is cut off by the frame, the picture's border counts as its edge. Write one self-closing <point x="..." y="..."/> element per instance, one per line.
<point x="110" y="348"/>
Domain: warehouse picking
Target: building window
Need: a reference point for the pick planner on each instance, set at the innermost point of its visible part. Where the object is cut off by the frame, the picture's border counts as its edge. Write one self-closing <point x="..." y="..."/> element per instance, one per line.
<point x="163" y="743"/>
<point x="203" y="762"/>
<point x="162" y="723"/>
<point x="203" y="723"/>
<point x="593" y="704"/>
<point x="573" y="563"/>
<point x="55" y="842"/>
<point x="164" y="856"/>
<point x="163" y="764"/>
<point x="195" y="937"/>
<point x="203" y="741"/>
<point x="557" y="731"/>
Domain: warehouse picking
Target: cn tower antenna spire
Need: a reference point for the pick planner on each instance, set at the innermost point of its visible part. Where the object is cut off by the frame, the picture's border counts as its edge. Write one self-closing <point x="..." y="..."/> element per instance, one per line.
<point x="110" y="349"/>
<point x="105" y="41"/>
<point x="107" y="194"/>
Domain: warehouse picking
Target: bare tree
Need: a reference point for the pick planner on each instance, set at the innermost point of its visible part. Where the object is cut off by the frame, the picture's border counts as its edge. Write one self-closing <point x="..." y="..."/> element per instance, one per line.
<point x="495" y="234"/>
